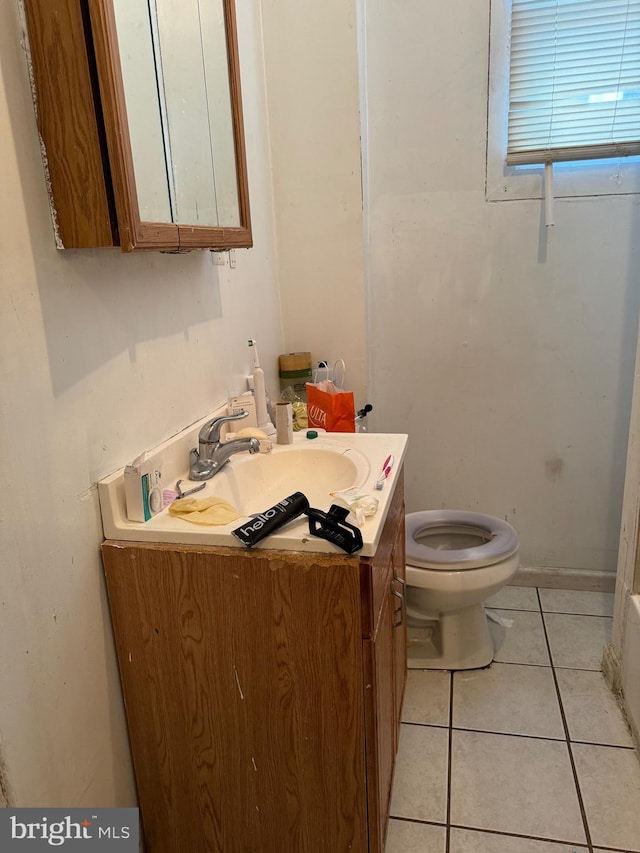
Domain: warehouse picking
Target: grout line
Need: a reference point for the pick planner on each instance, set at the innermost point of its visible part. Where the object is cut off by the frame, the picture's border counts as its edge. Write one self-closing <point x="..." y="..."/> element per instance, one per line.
<point x="419" y="820"/>
<point x="568" y="740"/>
<point x="580" y="844"/>
<point x="588" y="615"/>
<point x="605" y="745"/>
<point x="510" y="734"/>
<point x="552" y="612"/>
<point x="517" y="734"/>
<point x="545" y="665"/>
<point x="449" y="766"/>
<point x="616" y="850"/>
<point x="488" y="732"/>
<point x="579" y="668"/>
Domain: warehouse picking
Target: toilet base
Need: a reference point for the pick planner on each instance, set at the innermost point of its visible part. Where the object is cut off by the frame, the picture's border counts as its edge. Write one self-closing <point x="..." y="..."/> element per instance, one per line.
<point x="457" y="640"/>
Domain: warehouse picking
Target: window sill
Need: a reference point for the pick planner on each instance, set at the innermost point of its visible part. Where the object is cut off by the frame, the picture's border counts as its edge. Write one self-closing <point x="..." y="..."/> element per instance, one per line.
<point x="570" y="180"/>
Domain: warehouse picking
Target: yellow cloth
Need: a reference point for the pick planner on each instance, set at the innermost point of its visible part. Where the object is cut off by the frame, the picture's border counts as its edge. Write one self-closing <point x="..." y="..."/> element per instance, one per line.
<point x="300" y="411"/>
<point x="204" y="510"/>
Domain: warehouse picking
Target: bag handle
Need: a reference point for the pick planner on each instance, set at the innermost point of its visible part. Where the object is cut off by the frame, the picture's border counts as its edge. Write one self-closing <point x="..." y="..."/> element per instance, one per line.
<point x="339" y="362"/>
<point x="324" y="365"/>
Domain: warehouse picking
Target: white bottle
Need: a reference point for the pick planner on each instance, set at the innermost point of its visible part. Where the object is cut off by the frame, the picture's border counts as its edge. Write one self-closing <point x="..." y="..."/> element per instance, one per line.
<point x="262" y="415"/>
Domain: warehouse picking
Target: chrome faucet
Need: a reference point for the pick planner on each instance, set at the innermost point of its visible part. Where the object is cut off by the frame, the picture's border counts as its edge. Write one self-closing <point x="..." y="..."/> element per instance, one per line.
<point x="212" y="454"/>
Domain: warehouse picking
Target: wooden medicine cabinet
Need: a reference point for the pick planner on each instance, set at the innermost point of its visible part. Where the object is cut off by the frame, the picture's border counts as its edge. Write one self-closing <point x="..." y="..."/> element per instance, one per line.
<point x="139" y="110"/>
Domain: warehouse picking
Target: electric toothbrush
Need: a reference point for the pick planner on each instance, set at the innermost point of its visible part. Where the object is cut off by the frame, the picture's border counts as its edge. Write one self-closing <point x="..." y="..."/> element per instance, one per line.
<point x="260" y="394"/>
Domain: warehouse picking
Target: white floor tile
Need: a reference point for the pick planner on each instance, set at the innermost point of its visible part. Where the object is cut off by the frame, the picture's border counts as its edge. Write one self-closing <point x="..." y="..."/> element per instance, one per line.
<point x="577" y="642"/>
<point x="577" y="601"/>
<point x="471" y="841"/>
<point x="523" y="641"/>
<point x="503" y="782"/>
<point x="406" y="837"/>
<point x="515" y="598"/>
<point x="426" y="697"/>
<point x="508" y="698"/>
<point x="420" y="779"/>
<point x="514" y="784"/>
<point x="591" y="710"/>
<point x="609" y="779"/>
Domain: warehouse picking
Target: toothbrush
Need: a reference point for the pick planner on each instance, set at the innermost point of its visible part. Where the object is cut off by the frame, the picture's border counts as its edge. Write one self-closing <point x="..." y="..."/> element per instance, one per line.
<point x="262" y="415"/>
<point x="387" y="465"/>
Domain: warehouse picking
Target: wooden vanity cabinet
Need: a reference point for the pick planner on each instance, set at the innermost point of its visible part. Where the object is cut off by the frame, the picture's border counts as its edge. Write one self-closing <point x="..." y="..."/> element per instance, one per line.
<point x="262" y="692"/>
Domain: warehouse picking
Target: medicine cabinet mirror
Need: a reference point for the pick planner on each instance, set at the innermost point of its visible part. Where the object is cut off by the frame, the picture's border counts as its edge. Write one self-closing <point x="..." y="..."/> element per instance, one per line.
<point x="139" y="110"/>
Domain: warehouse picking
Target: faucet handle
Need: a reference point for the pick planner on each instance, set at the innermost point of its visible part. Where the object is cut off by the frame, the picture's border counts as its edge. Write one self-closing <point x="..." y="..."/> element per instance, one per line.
<point x="210" y="432"/>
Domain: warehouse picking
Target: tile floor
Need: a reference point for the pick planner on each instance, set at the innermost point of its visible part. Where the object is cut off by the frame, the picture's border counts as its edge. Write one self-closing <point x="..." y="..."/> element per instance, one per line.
<point x="530" y="755"/>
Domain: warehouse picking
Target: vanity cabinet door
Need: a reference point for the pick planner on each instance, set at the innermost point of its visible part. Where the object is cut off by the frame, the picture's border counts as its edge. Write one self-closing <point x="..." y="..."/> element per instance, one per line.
<point x="243" y="688"/>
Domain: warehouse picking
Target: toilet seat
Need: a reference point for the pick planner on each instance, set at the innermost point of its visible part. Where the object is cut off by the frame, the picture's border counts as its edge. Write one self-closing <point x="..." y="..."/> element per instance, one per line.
<point x="502" y="544"/>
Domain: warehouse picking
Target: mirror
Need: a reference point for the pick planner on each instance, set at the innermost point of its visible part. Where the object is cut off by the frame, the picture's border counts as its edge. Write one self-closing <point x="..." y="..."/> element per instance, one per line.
<point x="169" y="76"/>
<point x="139" y="109"/>
<point x="173" y="55"/>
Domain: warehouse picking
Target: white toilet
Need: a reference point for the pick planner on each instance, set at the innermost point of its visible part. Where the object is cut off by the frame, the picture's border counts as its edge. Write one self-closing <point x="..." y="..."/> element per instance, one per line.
<point x="455" y="561"/>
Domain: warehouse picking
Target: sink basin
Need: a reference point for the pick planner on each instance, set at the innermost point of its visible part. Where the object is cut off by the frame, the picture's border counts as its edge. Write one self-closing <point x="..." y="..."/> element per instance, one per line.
<point x="255" y="483"/>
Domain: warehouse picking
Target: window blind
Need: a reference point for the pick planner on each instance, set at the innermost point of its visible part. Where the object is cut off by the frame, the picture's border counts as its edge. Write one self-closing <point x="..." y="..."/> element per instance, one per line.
<point x="574" y="83"/>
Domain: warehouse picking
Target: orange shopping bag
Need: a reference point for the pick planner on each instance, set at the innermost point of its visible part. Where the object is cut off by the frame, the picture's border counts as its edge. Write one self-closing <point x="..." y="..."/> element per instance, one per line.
<point x="328" y="406"/>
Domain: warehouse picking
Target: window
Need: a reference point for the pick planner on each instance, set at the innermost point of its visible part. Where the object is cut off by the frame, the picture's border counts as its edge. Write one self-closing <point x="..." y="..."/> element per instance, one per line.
<point x="564" y="88"/>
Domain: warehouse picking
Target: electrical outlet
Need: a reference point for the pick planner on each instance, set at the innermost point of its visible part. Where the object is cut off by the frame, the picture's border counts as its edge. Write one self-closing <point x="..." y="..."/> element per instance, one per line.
<point x="232" y="258"/>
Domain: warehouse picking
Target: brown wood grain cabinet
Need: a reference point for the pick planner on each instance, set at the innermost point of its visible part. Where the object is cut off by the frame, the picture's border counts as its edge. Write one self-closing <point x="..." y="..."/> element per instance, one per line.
<point x="262" y="692"/>
<point x="84" y="125"/>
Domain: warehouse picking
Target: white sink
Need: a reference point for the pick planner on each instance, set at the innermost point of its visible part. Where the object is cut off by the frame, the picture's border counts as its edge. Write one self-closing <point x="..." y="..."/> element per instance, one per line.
<point x="254" y="483"/>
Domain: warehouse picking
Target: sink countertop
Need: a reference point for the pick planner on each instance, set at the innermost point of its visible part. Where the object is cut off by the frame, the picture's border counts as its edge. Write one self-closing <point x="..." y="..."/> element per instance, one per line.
<point x="165" y="528"/>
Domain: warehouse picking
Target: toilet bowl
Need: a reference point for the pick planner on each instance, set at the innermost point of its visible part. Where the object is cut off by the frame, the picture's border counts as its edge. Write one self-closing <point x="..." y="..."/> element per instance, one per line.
<point x="455" y="561"/>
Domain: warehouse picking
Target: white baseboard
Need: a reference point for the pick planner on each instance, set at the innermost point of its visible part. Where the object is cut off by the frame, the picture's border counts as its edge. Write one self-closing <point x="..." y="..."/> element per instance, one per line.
<point x="557" y="578"/>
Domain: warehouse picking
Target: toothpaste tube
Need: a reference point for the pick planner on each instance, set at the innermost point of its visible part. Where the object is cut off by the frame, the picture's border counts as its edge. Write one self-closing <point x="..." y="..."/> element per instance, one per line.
<point x="271" y="519"/>
<point x="360" y="504"/>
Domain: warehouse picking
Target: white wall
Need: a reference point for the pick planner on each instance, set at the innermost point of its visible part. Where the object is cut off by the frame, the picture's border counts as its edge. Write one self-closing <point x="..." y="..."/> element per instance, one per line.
<point x="311" y="67"/>
<point x="101" y="356"/>
<point x="505" y="352"/>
